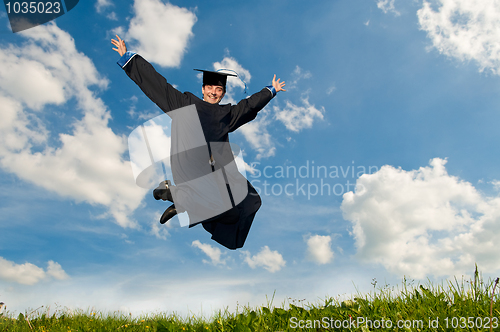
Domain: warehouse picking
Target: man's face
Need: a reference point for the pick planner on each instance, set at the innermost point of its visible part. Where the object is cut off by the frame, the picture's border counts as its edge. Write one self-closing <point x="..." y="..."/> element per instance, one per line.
<point x="212" y="94"/>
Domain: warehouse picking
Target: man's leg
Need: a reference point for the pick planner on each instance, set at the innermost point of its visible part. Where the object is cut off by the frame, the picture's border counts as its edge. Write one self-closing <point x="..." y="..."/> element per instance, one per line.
<point x="169" y="213"/>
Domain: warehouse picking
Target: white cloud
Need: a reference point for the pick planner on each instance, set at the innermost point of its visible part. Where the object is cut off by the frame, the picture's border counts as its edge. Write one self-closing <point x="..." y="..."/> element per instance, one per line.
<point x="242" y="165"/>
<point x="55" y="270"/>
<point x="15" y="134"/>
<point x="158" y="230"/>
<point x="258" y="136"/>
<point x="301" y="74"/>
<point x="29" y="274"/>
<point x="213" y="253"/>
<point x="496" y="184"/>
<point x="296" y="118"/>
<point x="423" y="222"/>
<point x="100" y="5"/>
<point x="387" y="6"/>
<point x="112" y="16"/>
<point x="319" y="249"/>
<point x="331" y="89"/>
<point x="465" y="30"/>
<point x="88" y="165"/>
<point x="269" y="260"/>
<point x="161" y="30"/>
<point x="297" y="75"/>
<point x="42" y="87"/>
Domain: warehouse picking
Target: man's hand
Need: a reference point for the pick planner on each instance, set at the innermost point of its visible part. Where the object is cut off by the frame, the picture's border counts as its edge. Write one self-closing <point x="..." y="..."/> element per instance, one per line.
<point x="120" y="45"/>
<point x="278" y="85"/>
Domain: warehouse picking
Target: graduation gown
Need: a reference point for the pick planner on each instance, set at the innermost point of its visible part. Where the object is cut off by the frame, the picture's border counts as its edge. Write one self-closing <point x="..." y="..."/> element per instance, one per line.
<point x="229" y="228"/>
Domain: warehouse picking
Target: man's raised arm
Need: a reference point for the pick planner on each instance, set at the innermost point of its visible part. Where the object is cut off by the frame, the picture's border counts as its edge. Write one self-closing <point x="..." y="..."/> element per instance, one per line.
<point x="153" y="84"/>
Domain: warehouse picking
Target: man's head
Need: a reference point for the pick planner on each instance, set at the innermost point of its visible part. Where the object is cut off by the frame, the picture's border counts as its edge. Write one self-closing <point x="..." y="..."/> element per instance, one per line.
<point x="214" y="85"/>
<point x="213" y="94"/>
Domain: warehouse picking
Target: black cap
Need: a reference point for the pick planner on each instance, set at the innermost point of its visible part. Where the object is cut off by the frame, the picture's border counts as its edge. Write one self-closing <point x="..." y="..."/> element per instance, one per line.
<point x="215" y="77"/>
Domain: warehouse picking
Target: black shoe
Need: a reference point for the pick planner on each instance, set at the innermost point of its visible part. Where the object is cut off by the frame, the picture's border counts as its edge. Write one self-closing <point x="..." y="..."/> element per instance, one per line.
<point x="168" y="214"/>
<point x="163" y="191"/>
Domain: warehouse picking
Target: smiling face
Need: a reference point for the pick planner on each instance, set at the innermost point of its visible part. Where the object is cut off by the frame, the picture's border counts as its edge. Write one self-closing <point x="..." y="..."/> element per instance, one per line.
<point x="212" y="94"/>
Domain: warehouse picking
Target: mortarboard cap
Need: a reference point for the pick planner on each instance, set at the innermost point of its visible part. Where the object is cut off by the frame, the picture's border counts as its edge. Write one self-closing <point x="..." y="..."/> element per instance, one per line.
<point x="215" y="77"/>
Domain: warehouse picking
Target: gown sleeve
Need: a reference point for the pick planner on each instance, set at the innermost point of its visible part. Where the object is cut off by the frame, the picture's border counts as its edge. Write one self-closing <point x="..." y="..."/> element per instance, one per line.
<point x="153" y="84"/>
<point x="246" y="110"/>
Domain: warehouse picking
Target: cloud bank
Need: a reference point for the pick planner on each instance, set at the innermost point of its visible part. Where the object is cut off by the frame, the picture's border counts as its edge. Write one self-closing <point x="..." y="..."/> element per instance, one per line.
<point x="161" y="31"/>
<point x="29" y="274"/>
<point x="423" y="222"/>
<point x="84" y="164"/>
<point x="467" y="30"/>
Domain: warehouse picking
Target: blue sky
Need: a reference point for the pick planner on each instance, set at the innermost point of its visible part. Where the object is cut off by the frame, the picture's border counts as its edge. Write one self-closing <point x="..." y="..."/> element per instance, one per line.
<point x="396" y="98"/>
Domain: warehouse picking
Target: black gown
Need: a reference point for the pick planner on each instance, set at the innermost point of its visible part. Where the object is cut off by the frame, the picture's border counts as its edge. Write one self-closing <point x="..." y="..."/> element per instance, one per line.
<point x="230" y="228"/>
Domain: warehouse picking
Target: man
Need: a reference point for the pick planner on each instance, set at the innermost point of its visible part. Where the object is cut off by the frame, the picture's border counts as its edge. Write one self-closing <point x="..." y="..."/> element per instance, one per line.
<point x="226" y="211"/>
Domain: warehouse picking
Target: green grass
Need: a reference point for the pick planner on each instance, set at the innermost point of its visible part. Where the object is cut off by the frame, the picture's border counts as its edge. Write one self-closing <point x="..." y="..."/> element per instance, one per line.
<point x="414" y="307"/>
